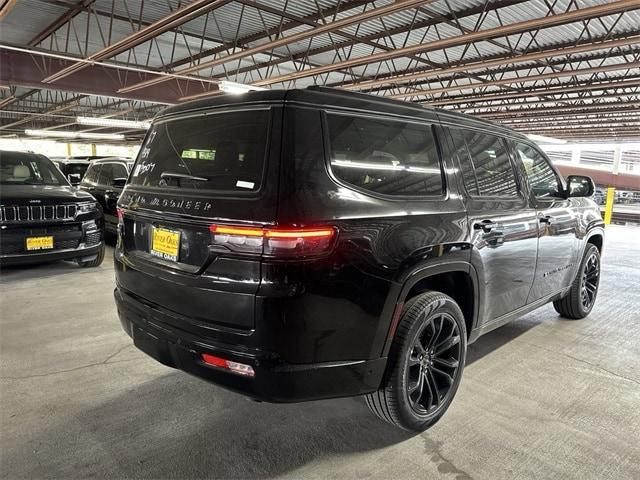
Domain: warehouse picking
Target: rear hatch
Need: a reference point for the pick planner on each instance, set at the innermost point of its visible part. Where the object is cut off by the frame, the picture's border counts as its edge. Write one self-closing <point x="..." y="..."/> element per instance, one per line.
<point x="194" y="172"/>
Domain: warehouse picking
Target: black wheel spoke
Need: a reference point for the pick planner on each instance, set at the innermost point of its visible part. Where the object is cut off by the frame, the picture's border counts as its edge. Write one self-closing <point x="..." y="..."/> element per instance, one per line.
<point x="433" y="363"/>
<point x="447" y="344"/>
<point x="446" y="362"/>
<point x="590" y="276"/>
<point x="432" y="381"/>
<point x="444" y="374"/>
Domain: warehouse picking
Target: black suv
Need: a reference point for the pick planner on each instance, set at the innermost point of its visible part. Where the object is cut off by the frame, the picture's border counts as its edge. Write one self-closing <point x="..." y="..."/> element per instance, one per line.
<point x="105" y="180"/>
<point x="42" y="217"/>
<point x="306" y="244"/>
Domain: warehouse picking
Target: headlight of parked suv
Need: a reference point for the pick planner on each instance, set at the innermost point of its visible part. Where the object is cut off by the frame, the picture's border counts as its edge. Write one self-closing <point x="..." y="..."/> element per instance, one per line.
<point x="86" y="207"/>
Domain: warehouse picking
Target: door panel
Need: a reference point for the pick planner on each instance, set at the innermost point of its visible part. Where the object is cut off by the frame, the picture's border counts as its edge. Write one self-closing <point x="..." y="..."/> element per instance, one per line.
<point x="557" y="231"/>
<point x="504" y="227"/>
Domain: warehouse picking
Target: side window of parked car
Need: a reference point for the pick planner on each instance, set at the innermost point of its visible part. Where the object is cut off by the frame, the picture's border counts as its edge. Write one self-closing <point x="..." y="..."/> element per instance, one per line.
<point x="104" y="178"/>
<point x="119" y="171"/>
<point x="543" y="180"/>
<point x="92" y="174"/>
<point x="487" y="170"/>
<point x="385" y="156"/>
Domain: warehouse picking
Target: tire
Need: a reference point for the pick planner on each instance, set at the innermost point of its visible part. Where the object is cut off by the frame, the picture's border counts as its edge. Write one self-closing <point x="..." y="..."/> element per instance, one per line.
<point x="95" y="262"/>
<point x="400" y="401"/>
<point x="579" y="302"/>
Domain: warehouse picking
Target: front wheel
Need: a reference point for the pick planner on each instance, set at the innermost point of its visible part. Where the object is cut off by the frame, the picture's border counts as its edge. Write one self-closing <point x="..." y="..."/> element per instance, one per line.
<point x="425" y="363"/>
<point x="96" y="262"/>
<point x="579" y="302"/>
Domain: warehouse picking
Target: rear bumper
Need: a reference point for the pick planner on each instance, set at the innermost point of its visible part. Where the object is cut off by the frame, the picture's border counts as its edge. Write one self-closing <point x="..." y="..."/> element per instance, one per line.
<point x="87" y="253"/>
<point x="274" y="380"/>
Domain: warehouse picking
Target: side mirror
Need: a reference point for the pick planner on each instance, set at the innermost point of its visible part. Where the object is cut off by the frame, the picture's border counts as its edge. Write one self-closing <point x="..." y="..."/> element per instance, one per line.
<point x="74" y="178"/>
<point x="580" y="186"/>
<point x="119" y="182"/>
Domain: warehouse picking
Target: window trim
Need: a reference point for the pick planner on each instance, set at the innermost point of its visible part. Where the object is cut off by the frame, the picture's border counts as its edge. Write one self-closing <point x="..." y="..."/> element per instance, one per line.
<point x="505" y="140"/>
<point x="429" y="125"/>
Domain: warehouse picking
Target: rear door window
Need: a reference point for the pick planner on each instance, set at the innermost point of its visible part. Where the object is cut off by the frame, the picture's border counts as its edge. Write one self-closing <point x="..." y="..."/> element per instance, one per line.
<point x="487" y="170"/>
<point x="388" y="157"/>
<point x="219" y="152"/>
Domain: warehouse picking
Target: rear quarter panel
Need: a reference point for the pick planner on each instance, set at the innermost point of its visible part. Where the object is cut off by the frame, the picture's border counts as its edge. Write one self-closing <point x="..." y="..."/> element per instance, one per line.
<point x="343" y="303"/>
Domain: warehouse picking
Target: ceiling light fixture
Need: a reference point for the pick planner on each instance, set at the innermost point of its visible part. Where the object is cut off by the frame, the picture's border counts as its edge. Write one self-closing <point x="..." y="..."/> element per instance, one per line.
<point x="543" y="139"/>
<point x="112" y="122"/>
<point x="233" y="87"/>
<point x="74" y="135"/>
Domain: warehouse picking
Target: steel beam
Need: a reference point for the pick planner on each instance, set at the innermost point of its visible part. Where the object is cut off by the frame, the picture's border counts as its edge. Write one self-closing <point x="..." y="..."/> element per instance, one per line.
<point x="537" y="92"/>
<point x="502" y="31"/>
<point x="297" y="37"/>
<point x="173" y="20"/>
<point x="519" y="80"/>
<point x="5" y="7"/>
<point x="497" y="62"/>
<point x="60" y="21"/>
<point x="617" y="107"/>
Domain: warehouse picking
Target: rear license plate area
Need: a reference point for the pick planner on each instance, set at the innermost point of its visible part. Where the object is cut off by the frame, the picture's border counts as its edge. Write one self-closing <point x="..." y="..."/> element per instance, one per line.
<point x="165" y="243"/>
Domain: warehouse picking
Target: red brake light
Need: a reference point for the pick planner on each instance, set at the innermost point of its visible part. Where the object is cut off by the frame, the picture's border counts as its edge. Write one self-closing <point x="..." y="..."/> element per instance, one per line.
<point x="275" y="242"/>
<point x="120" y="214"/>
<point x="235" y="367"/>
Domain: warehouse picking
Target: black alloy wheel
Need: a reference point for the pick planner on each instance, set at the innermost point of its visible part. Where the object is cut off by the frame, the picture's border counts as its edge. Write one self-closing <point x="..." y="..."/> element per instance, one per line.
<point x="581" y="297"/>
<point x="590" y="280"/>
<point x="425" y="363"/>
<point x="433" y="363"/>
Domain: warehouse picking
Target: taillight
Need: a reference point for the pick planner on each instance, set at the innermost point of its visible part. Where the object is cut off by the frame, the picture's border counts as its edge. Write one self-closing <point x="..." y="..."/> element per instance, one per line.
<point x="235" y="367"/>
<point x="120" y="215"/>
<point x="276" y="242"/>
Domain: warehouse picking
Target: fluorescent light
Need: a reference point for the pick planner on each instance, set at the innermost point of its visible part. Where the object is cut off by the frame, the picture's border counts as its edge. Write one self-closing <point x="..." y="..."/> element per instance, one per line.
<point x="543" y="139"/>
<point x="233" y="87"/>
<point x="74" y="135"/>
<point x="112" y="122"/>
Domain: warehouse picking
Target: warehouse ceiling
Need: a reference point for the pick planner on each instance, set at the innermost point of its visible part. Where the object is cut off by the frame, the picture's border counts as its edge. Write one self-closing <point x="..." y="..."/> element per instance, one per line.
<point x="565" y="68"/>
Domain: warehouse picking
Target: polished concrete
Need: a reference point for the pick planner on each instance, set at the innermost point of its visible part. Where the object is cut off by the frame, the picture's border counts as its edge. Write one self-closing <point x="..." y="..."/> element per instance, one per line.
<point x="542" y="397"/>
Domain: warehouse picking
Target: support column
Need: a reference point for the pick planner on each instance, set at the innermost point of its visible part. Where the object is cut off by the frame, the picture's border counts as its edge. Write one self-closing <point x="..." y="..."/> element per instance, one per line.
<point x="68" y="149"/>
<point x="617" y="157"/>
<point x="93" y="149"/>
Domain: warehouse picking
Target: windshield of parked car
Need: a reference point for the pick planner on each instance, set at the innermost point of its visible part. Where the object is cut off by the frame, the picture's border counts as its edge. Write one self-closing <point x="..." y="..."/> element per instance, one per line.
<point x="28" y="169"/>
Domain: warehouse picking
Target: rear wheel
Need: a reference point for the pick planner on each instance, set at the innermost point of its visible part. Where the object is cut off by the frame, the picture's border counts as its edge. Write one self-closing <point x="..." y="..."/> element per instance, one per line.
<point x="579" y="302"/>
<point x="425" y="363"/>
<point x="93" y="263"/>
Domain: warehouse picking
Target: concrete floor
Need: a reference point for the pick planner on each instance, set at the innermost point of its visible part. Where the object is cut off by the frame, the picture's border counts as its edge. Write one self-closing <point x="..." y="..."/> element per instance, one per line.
<point x="542" y="397"/>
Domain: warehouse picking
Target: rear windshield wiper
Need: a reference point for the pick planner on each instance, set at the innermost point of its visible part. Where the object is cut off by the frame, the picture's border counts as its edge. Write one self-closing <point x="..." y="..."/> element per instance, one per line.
<point x="182" y="176"/>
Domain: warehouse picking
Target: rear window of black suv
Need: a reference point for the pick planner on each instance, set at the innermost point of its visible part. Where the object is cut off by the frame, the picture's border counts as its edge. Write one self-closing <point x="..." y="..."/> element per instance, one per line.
<point x="222" y="152"/>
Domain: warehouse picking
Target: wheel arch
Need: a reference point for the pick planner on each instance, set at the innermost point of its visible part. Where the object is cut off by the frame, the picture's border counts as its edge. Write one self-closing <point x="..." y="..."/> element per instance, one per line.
<point x="458" y="279"/>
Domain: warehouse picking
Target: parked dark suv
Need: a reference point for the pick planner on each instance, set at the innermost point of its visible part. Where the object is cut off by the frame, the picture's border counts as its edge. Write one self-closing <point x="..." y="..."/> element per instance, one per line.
<point x="105" y="179"/>
<point x="42" y="217"/>
<point x="306" y="244"/>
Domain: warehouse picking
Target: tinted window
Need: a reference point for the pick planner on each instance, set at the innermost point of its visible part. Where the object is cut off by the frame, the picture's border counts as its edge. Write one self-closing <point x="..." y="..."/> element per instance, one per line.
<point x="385" y="156"/>
<point x="23" y="169"/>
<point x="92" y="173"/>
<point x="119" y="171"/>
<point x="224" y="151"/>
<point x="543" y="180"/>
<point x="104" y="177"/>
<point x="486" y="166"/>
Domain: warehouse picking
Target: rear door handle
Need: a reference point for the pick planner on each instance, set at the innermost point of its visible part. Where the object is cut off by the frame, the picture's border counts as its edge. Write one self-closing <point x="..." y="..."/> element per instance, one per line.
<point x="485" y="225"/>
